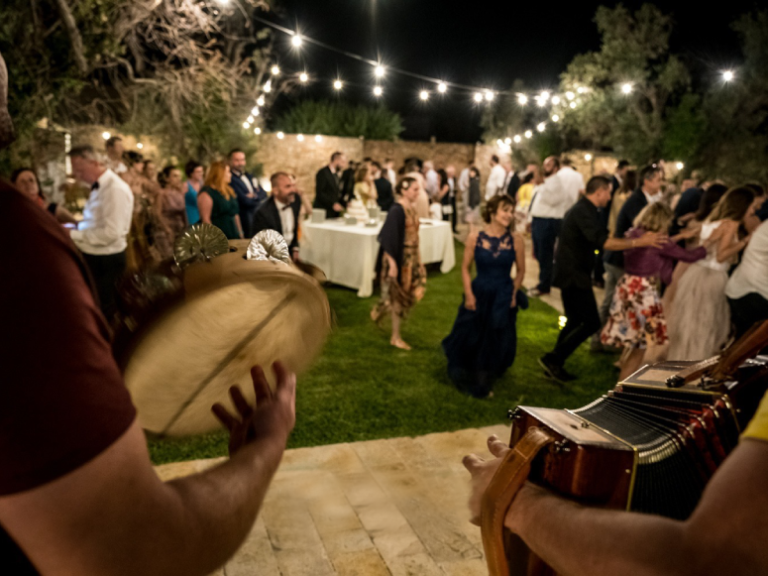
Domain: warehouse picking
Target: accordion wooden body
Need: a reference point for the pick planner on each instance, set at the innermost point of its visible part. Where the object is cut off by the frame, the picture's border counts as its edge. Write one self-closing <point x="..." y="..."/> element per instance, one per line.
<point x="649" y="445"/>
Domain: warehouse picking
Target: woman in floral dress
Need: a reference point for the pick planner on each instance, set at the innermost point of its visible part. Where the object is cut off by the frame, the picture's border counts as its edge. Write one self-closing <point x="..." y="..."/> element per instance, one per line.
<point x="403" y="278"/>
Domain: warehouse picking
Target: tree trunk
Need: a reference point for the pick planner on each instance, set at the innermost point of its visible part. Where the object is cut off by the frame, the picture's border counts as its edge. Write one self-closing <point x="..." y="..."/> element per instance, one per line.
<point x="74" y="36"/>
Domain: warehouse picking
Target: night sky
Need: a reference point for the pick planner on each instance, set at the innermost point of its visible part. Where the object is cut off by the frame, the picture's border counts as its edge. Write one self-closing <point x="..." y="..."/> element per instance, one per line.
<point x="488" y="43"/>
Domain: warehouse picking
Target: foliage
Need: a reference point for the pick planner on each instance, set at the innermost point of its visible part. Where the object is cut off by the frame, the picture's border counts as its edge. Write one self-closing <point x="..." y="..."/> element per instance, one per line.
<point x="635" y="50"/>
<point x="341" y="119"/>
<point x="361" y="388"/>
<point x="735" y="143"/>
<point x="188" y="71"/>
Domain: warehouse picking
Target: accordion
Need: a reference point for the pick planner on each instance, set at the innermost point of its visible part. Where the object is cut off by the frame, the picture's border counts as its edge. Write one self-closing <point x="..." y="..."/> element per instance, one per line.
<point x="649" y="445"/>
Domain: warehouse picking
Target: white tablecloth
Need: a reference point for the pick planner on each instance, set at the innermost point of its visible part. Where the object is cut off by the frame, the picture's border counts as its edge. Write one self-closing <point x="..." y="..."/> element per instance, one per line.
<point x="347" y="254"/>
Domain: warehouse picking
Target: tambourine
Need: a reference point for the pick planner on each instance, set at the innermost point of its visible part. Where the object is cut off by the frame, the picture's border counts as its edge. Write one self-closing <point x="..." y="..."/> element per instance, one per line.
<point x="195" y="327"/>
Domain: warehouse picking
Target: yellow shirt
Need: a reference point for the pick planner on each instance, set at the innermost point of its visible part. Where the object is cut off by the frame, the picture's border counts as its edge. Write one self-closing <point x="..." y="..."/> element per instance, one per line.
<point x="758" y="426"/>
<point x="524" y="196"/>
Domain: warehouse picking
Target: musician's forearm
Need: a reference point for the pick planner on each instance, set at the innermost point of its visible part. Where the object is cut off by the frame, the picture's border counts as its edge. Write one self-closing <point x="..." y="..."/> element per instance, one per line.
<point x="580" y="541"/>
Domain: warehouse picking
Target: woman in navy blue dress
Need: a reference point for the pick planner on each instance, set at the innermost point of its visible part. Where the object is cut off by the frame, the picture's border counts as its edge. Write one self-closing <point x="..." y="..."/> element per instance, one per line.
<point x="483" y="342"/>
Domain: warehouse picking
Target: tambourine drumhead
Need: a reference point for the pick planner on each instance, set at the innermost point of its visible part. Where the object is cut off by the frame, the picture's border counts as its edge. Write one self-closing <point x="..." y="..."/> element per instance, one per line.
<point x="235" y="314"/>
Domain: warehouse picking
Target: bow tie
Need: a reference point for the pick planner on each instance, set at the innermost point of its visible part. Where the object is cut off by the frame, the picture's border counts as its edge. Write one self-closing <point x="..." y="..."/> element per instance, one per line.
<point x="95" y="186"/>
<point x="286" y="207"/>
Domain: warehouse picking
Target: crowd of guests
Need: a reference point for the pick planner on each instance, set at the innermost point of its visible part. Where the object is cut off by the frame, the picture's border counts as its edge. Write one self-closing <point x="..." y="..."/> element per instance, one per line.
<point x="135" y="213"/>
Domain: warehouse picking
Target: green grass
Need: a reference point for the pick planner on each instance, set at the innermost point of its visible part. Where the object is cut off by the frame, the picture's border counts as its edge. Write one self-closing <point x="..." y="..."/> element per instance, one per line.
<point x="361" y="388"/>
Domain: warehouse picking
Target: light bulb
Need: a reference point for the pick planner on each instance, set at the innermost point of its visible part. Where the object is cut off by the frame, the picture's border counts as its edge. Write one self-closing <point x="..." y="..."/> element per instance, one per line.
<point x="541" y="127"/>
<point x="478" y="97"/>
<point x="556" y="100"/>
<point x="522" y="99"/>
<point x="728" y="75"/>
<point x="106" y="135"/>
<point x="246" y="125"/>
<point x="379" y="71"/>
<point x="581" y="89"/>
<point x="507" y="141"/>
<point x="528" y="134"/>
<point x="489" y="95"/>
<point x="304" y="77"/>
<point x="570" y="95"/>
<point x="257" y="131"/>
<point x="378" y="91"/>
<point x="268" y="86"/>
<point x="442" y="87"/>
<point x="555" y="118"/>
<point x="588" y="157"/>
<point x="626" y="88"/>
<point x="544" y="96"/>
<point x="518" y="139"/>
<point x="250" y="120"/>
<point x="680" y="166"/>
<point x="139" y="145"/>
<point x="318" y="138"/>
<point x="424" y="95"/>
<point x="296" y="41"/>
<point x="338" y="85"/>
<point x="573" y="105"/>
<point x="275" y="70"/>
<point x="260" y="101"/>
<point x="300" y="137"/>
<point x="280" y="135"/>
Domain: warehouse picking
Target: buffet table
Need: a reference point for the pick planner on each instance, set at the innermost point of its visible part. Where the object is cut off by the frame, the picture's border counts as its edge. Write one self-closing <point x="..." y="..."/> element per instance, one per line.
<point x="347" y="254"/>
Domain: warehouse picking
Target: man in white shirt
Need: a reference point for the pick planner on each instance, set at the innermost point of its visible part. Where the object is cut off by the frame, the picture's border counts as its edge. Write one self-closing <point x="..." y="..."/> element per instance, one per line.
<point x="431" y="180"/>
<point x="115" y="151"/>
<point x="280" y="212"/>
<point x="389" y="172"/>
<point x="550" y="202"/>
<point x="463" y="186"/>
<point x="102" y="236"/>
<point x="495" y="183"/>
<point x="572" y="181"/>
<point x="747" y="289"/>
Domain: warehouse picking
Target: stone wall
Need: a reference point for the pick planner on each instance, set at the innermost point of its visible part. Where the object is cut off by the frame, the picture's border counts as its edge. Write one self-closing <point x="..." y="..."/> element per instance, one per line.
<point x="442" y="154"/>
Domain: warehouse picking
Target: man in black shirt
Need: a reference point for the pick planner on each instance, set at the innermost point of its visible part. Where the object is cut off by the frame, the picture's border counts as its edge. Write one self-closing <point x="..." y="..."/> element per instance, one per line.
<point x="582" y="233"/>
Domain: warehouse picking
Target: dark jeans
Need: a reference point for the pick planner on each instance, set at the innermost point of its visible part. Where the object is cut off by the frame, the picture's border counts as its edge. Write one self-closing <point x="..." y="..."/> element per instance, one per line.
<point x="106" y="272"/>
<point x="748" y="310"/>
<point x="544" y="232"/>
<point x="583" y="321"/>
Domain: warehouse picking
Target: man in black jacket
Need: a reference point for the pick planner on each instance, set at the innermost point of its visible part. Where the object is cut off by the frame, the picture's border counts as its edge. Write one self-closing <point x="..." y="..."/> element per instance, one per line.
<point x="581" y="234"/>
<point x="280" y="212"/>
<point x="385" y="196"/>
<point x="328" y="186"/>
<point x="250" y="194"/>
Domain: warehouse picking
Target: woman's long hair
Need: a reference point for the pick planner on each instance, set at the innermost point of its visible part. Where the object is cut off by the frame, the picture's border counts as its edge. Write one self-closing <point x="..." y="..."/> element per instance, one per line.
<point x="443" y="175"/>
<point x="215" y="179"/>
<point x="362" y="173"/>
<point x="709" y="200"/>
<point x="629" y="183"/>
<point x="654" y="217"/>
<point x="733" y="206"/>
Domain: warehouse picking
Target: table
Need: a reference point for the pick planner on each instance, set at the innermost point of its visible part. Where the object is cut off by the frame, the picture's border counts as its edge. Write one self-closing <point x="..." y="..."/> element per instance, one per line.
<point x="347" y="254"/>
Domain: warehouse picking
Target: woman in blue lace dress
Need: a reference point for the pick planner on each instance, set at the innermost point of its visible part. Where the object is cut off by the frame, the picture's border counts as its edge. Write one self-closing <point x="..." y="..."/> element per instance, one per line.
<point x="483" y="342"/>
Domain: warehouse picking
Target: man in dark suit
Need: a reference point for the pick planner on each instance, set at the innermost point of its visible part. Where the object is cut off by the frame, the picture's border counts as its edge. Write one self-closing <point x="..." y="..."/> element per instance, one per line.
<point x="384" y="194"/>
<point x="328" y="187"/>
<point x="280" y="212"/>
<point x="250" y="194"/>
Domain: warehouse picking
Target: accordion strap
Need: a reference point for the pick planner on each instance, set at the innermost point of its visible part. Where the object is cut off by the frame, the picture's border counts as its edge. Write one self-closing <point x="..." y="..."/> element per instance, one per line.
<point x="509" y="478"/>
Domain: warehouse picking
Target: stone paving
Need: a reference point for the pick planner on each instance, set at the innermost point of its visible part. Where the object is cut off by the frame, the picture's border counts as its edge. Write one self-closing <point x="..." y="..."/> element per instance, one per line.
<point x="377" y="508"/>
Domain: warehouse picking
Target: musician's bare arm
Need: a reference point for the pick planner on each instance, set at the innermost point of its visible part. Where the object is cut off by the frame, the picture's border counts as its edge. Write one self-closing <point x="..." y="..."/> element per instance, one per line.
<point x="725" y="534"/>
<point x="113" y="516"/>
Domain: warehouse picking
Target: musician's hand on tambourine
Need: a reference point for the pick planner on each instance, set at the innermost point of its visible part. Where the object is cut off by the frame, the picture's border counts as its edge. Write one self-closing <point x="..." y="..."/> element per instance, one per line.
<point x="482" y="472"/>
<point x="274" y="415"/>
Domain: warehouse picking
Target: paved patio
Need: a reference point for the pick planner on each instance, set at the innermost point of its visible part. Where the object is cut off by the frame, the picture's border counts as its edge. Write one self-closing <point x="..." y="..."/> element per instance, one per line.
<point x="383" y="507"/>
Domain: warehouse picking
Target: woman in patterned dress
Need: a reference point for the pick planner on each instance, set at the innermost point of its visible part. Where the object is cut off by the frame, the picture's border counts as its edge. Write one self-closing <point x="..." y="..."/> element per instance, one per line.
<point x="403" y="278"/>
<point x="637" y="321"/>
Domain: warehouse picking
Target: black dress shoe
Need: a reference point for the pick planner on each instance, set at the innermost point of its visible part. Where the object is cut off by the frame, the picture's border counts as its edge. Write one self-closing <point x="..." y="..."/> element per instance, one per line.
<point x="554" y="370"/>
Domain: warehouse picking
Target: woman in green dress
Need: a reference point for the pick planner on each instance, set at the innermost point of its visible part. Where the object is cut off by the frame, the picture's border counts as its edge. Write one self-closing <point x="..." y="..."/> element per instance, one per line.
<point x="217" y="202"/>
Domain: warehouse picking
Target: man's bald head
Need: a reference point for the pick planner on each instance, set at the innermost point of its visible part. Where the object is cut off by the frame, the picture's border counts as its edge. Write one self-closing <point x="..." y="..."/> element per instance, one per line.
<point x="7" y="134"/>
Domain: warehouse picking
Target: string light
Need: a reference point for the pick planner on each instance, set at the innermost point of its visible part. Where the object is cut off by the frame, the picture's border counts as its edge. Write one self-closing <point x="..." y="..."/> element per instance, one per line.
<point x="573" y="105"/>
<point x="139" y="145"/>
<point x="255" y="111"/>
<point x="528" y="134"/>
<point x="318" y="138"/>
<point x="424" y="95"/>
<point x="679" y="166"/>
<point x="556" y="100"/>
<point x="478" y="97"/>
<point x="570" y="95"/>
<point x="581" y="89"/>
<point x="728" y="75"/>
<point x="507" y="141"/>
<point x="106" y="135"/>
<point x="626" y="88"/>
<point x="268" y="86"/>
<point x="541" y="127"/>
<point x="304" y="77"/>
<point x="522" y="99"/>
<point x="257" y="131"/>
<point x="442" y="87"/>
<point x="300" y="137"/>
<point x="378" y="91"/>
<point x="275" y="70"/>
<point x="588" y="157"/>
<point x="544" y="96"/>
<point x="246" y="125"/>
<point x="296" y="41"/>
<point x="250" y="120"/>
<point x="555" y="118"/>
<point x="338" y="85"/>
<point x="280" y="135"/>
<point x="489" y="96"/>
<point x="517" y="139"/>
<point x="260" y="101"/>
<point x="379" y="71"/>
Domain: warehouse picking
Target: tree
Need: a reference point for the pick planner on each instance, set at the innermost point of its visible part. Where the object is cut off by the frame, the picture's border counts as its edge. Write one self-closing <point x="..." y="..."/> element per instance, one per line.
<point x="634" y="52"/>
<point x="187" y="70"/>
<point x="341" y="119"/>
<point x="735" y="143"/>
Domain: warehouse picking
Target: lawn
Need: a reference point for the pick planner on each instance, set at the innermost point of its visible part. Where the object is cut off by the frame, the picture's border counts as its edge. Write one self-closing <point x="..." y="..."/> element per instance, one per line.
<point x="361" y="388"/>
